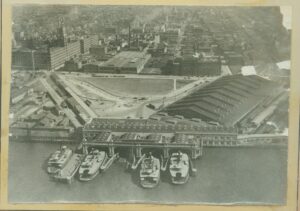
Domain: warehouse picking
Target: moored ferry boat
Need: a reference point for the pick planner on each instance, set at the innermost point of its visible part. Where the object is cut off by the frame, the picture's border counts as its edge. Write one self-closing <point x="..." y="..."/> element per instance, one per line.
<point x="91" y="164"/>
<point x="179" y="168"/>
<point x="67" y="173"/>
<point x="150" y="172"/>
<point x="58" y="159"/>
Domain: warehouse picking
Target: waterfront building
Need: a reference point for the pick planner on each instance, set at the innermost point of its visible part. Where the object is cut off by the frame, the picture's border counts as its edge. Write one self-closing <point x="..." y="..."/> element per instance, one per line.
<point x="226" y="100"/>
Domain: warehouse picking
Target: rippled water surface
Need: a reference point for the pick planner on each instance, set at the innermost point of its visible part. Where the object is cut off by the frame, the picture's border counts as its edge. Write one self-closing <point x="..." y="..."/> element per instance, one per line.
<point x="225" y="175"/>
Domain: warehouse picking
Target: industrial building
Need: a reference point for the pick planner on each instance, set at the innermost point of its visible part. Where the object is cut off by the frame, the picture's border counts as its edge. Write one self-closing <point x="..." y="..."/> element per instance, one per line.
<point x="87" y="42"/>
<point x="54" y="55"/>
<point x="226" y="100"/>
<point x="45" y="59"/>
<point x="92" y="67"/>
<point x="59" y="55"/>
<point x="98" y="51"/>
<point x="192" y="66"/>
<point x="201" y="67"/>
<point x="24" y="58"/>
<point x="126" y="62"/>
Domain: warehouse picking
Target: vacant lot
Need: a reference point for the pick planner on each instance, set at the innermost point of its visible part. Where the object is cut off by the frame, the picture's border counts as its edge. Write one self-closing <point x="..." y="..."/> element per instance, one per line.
<point x="131" y="86"/>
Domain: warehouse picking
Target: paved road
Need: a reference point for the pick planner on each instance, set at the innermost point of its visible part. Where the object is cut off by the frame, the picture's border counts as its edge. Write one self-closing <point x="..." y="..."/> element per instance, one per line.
<point x="139" y="107"/>
<point x="98" y="91"/>
<point x="175" y="95"/>
<point x="131" y="76"/>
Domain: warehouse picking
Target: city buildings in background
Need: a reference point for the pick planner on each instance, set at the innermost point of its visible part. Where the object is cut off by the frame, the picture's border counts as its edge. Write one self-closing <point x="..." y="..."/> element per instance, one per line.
<point x="154" y="85"/>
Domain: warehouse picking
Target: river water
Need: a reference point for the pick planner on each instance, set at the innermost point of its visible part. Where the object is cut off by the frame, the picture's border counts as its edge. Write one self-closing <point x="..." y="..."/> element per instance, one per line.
<point x="224" y="175"/>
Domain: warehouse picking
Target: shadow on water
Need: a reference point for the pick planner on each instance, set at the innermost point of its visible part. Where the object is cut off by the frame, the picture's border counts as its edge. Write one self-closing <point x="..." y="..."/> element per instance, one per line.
<point x="135" y="177"/>
<point x="165" y="177"/>
<point x="44" y="168"/>
<point x="45" y="164"/>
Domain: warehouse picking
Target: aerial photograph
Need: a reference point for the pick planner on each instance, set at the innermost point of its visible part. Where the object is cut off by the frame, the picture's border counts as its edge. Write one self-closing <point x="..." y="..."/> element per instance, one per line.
<point x="149" y="104"/>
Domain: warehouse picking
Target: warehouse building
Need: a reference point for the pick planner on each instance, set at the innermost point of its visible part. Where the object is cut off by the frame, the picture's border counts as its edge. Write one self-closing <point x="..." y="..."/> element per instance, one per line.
<point x="98" y="51"/>
<point x="45" y="59"/>
<point x="24" y="58"/>
<point x="87" y="42"/>
<point x="226" y="100"/>
<point x="192" y="66"/>
<point x="54" y="55"/>
<point x="126" y="62"/>
<point x="201" y="67"/>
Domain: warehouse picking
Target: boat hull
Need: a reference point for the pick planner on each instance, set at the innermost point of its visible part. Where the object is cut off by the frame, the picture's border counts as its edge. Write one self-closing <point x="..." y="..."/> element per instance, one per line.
<point x="179" y="168"/>
<point x="150" y="172"/>
<point x="88" y="177"/>
<point x="149" y="182"/>
<point x="52" y="170"/>
<point x="180" y="180"/>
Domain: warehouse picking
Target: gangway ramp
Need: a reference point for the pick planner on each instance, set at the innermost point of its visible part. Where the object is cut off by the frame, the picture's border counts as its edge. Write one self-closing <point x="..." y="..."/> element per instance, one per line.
<point x="72" y="117"/>
<point x="58" y="100"/>
<point x="71" y="89"/>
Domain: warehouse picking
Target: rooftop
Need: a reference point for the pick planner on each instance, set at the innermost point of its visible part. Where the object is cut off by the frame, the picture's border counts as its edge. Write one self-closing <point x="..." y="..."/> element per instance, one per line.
<point x="127" y="59"/>
<point x="152" y="126"/>
<point x="226" y="100"/>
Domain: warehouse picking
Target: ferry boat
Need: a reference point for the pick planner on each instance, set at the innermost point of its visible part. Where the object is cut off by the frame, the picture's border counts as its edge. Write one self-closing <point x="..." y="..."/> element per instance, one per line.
<point x="149" y="172"/>
<point x="179" y="168"/>
<point x="58" y="159"/>
<point x="89" y="168"/>
<point x="67" y="173"/>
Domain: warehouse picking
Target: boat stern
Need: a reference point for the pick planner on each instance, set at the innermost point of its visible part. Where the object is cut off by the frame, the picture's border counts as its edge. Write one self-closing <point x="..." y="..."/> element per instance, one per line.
<point x="149" y="182"/>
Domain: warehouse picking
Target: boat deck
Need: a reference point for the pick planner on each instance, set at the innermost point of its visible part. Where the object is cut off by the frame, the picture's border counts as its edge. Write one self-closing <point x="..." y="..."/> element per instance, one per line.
<point x="71" y="166"/>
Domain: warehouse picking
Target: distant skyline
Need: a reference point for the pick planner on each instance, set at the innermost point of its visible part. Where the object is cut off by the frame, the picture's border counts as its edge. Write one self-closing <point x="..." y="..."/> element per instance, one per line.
<point x="287" y="16"/>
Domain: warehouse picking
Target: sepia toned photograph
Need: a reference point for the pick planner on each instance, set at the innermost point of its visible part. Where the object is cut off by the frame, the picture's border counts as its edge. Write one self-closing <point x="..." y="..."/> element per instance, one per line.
<point x="149" y="104"/>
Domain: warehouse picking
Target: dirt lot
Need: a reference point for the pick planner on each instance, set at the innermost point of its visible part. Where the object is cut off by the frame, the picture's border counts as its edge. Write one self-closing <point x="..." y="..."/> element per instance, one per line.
<point x="132" y="86"/>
